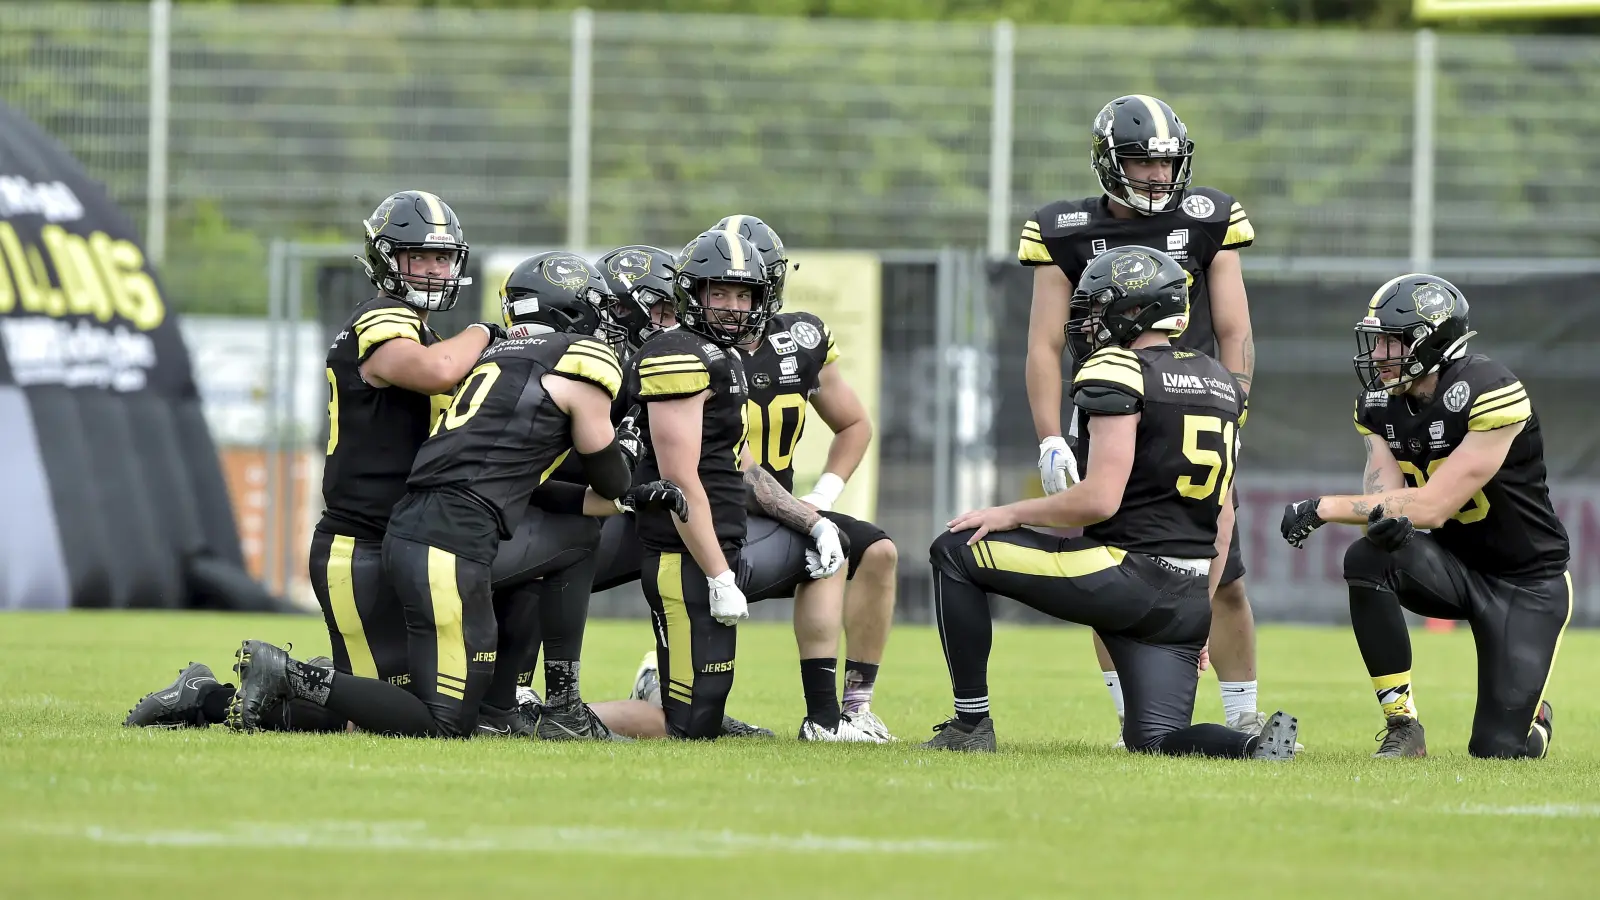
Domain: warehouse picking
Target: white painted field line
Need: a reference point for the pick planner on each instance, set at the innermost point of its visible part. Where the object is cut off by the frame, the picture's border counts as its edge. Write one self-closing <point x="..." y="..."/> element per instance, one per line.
<point x="1540" y="810"/>
<point x="418" y="836"/>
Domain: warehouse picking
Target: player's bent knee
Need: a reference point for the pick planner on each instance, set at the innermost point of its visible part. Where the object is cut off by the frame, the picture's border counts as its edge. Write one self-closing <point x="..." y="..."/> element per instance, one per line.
<point x="1365" y="562"/>
<point x="881" y="555"/>
<point x="1231" y="595"/>
<point x="948" y="553"/>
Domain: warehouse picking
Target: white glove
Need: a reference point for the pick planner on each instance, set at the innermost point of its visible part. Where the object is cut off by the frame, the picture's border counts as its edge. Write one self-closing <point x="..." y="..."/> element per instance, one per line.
<point x="826" y="492"/>
<point x="828" y="555"/>
<point x="728" y="605"/>
<point x="1058" y="468"/>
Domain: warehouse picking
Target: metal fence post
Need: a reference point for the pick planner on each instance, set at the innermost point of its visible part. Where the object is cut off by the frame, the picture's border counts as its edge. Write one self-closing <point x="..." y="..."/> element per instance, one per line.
<point x="155" y="227"/>
<point x="578" y="129"/>
<point x="1422" y="150"/>
<point x="1000" y="228"/>
<point x="277" y="260"/>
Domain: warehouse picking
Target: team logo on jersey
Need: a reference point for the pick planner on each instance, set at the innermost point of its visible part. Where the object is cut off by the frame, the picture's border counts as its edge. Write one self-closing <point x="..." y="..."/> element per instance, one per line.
<point x="565" y="271"/>
<point x="1199" y="206"/>
<point x="1455" y="399"/>
<point x="781" y="342"/>
<point x="630" y="266"/>
<point x="806" y="335"/>
<point x="1432" y="303"/>
<point x="1132" y="271"/>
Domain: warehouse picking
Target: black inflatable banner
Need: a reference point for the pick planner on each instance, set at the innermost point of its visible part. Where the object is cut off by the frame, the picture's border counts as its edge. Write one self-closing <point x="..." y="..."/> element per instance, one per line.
<point x="112" y="495"/>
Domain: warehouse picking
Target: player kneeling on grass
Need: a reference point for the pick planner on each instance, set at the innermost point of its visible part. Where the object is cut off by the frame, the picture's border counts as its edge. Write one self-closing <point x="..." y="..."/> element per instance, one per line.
<point x="1155" y="507"/>
<point x="1454" y="447"/>
<point x="532" y="399"/>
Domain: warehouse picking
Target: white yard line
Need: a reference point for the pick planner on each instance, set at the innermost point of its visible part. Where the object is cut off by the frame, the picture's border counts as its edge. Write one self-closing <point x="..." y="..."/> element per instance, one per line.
<point x="417" y="836"/>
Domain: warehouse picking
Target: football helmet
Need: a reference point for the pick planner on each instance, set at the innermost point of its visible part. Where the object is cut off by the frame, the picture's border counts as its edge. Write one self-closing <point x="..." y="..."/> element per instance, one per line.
<point x="554" y="291"/>
<point x="414" y="220"/>
<point x="721" y="256"/>
<point x="1429" y="317"/>
<point x="1141" y="127"/>
<point x="638" y="277"/>
<point x="773" y="256"/>
<point x="1123" y="293"/>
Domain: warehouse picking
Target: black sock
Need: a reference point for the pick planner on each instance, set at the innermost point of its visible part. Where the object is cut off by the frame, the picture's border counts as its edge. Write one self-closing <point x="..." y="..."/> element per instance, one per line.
<point x="819" y="677"/>
<point x="516" y="615"/>
<point x="309" y="682"/>
<point x="381" y="707"/>
<point x="1380" y="629"/>
<point x="214" y="704"/>
<point x="1212" y="740"/>
<point x="302" y="716"/>
<point x="967" y="634"/>
<point x="859" y="679"/>
<point x="560" y="682"/>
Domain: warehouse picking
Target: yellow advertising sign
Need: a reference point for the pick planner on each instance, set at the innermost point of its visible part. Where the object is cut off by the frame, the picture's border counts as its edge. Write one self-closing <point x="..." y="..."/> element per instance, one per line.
<point x="844" y="289"/>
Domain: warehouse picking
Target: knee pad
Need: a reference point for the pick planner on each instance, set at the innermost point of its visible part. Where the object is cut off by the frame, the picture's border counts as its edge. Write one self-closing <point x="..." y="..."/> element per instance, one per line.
<point x="1366" y="564"/>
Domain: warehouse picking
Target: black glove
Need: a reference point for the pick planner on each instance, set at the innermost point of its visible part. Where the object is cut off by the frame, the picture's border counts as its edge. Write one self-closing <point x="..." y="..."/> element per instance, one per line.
<point x="497" y="332"/>
<point x="1389" y="533"/>
<point x="655" y="495"/>
<point x="629" y="439"/>
<point x="1299" y="520"/>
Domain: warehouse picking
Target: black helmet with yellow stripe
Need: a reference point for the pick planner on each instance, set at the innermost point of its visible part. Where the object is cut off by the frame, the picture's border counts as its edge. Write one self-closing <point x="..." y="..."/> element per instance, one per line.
<point x="415" y="251"/>
<point x="554" y="291"/>
<point x="712" y="272"/>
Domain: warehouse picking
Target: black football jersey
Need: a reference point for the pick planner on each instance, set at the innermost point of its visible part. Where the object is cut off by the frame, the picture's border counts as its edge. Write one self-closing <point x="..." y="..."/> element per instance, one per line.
<point x="784" y="371"/>
<point x="502" y="435"/>
<point x="1070" y="233"/>
<point x="672" y="365"/>
<point x="1509" y="529"/>
<point x="373" y="433"/>
<point x="1184" y="450"/>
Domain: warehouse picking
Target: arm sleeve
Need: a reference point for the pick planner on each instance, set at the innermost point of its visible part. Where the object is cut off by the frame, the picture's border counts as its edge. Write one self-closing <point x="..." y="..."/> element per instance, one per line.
<point x="671" y="373"/>
<point x="1240" y="232"/>
<point x="1111" y="382"/>
<point x="1031" y="250"/>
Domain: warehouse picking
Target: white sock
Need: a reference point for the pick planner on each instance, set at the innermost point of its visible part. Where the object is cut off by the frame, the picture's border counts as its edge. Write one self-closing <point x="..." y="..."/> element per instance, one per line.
<point x="1238" y="698"/>
<point x="1114" y="685"/>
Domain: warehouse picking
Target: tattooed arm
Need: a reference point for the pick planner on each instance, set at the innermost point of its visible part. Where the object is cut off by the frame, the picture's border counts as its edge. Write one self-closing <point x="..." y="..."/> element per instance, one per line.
<point x="764" y="495"/>
<point x="1464" y="473"/>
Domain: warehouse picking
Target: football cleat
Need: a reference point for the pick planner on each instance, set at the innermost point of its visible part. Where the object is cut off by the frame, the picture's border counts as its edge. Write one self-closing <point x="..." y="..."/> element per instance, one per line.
<point x="527" y="696"/>
<point x="521" y="722"/>
<point x="263" y="683"/>
<point x="1120" y="744"/>
<point x="195" y="700"/>
<point x="733" y="728"/>
<point x="575" y="722"/>
<point x="647" y="681"/>
<point x="1401" y="737"/>
<point x="954" y="734"/>
<point x="1276" y="740"/>
<point x="845" y="732"/>
<point x="1253" y="723"/>
<point x="866" y="720"/>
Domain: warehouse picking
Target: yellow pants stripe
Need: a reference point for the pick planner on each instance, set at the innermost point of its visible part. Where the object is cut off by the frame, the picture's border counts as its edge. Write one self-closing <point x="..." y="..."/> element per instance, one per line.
<point x="1556" y="651"/>
<point x="1030" y="561"/>
<point x="680" y="636"/>
<point x="447" y="634"/>
<point x="346" y="617"/>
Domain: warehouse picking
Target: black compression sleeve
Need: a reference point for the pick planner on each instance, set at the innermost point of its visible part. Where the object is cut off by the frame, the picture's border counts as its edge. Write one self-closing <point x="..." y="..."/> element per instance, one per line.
<point x="607" y="471"/>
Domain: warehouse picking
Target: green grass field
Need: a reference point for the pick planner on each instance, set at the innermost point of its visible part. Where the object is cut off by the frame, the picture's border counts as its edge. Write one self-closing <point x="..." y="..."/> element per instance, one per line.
<point x="88" y="808"/>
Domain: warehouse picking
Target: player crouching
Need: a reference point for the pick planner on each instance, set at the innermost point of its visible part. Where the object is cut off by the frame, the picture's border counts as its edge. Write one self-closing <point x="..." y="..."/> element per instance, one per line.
<point x="1142" y="573"/>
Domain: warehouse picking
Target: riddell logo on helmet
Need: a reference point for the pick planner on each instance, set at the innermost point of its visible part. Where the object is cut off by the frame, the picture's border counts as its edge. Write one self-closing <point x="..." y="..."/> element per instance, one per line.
<point x="439" y="238"/>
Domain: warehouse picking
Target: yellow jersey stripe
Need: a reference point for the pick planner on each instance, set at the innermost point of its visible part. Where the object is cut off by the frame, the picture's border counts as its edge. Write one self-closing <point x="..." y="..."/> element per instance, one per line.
<point x="833" y="350"/>
<point x="377" y="334"/>
<point x="664" y="360"/>
<point x="603" y="373"/>
<point x="1113" y="374"/>
<point x="1030" y="251"/>
<point x="1520" y="411"/>
<point x="1356" y="416"/>
<point x="545" y="475"/>
<point x="1497" y="392"/>
<point x="1132" y="365"/>
<point x="1483" y="406"/>
<point x="386" y="311"/>
<point x="674" y="385"/>
<point x="1239" y="234"/>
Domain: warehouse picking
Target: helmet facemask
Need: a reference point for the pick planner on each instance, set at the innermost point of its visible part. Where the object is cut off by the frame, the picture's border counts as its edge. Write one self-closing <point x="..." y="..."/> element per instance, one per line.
<point x="1131" y="192"/>
<point x="434" y="293"/>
